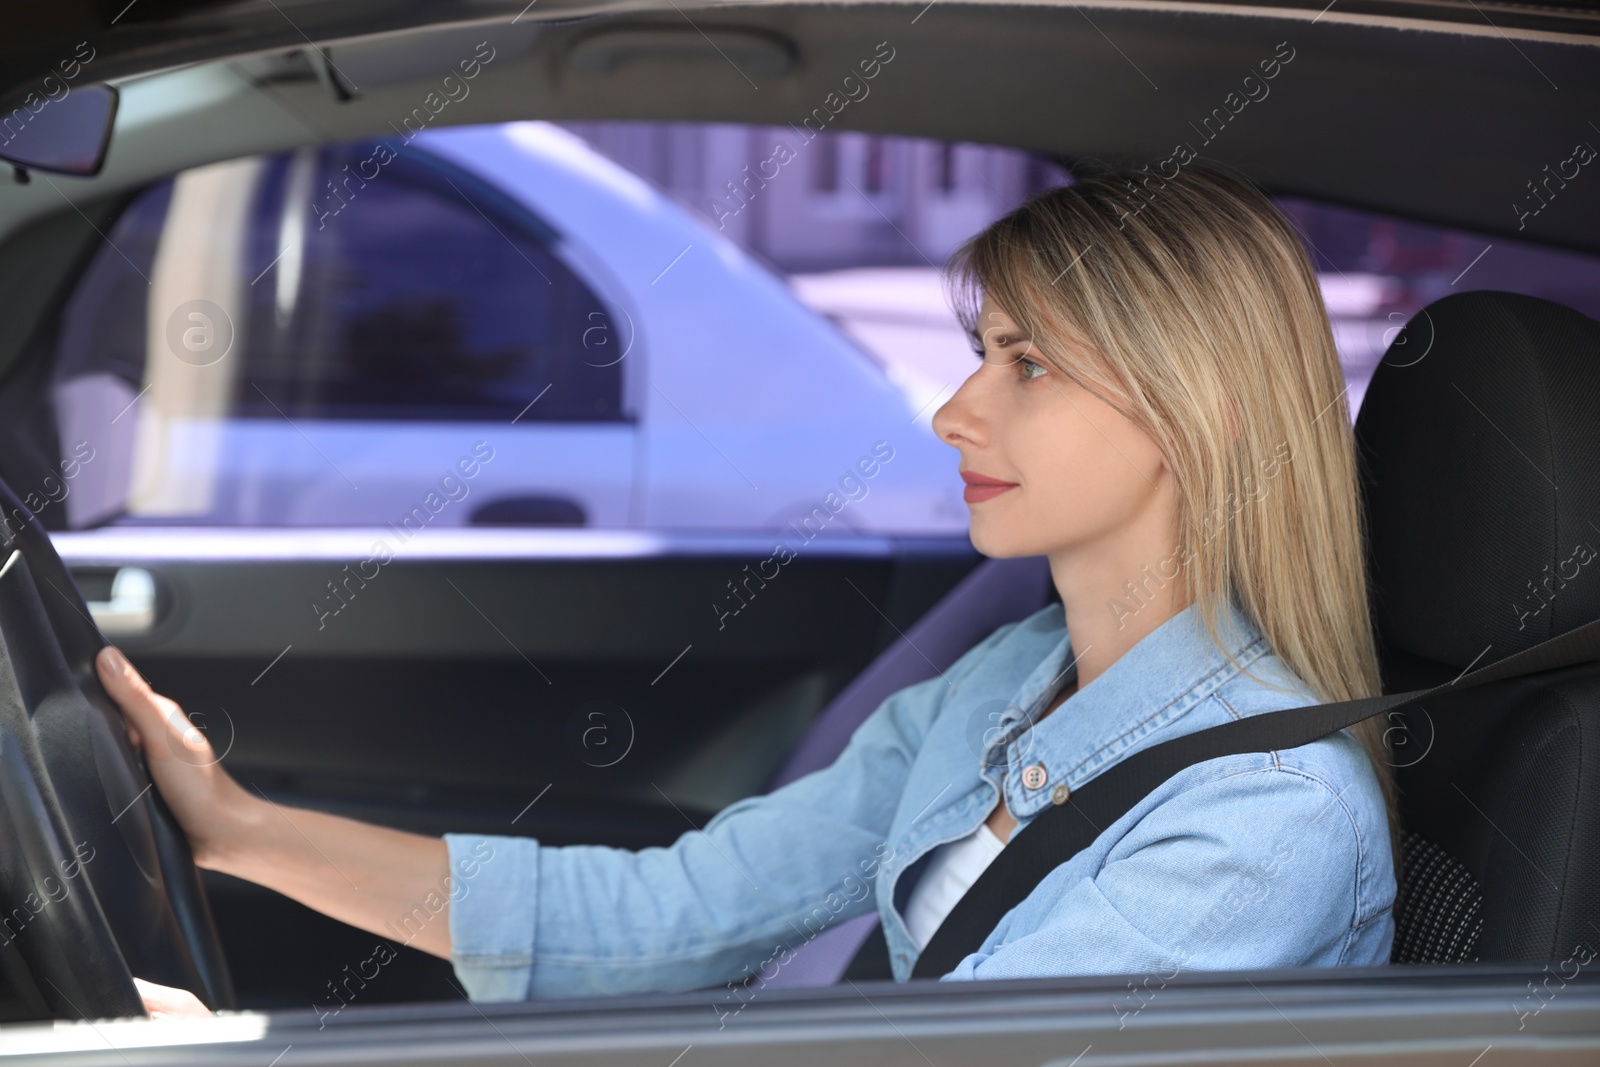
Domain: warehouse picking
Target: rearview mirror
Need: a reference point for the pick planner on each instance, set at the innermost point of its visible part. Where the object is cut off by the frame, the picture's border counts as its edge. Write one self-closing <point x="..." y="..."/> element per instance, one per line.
<point x="68" y="134"/>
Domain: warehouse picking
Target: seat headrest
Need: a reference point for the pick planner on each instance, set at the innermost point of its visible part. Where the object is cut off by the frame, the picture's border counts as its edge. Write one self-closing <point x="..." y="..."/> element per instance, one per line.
<point x="1479" y="448"/>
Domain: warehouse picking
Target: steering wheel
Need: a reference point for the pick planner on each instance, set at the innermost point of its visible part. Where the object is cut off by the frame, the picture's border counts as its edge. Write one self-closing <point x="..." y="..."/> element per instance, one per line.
<point x="97" y="883"/>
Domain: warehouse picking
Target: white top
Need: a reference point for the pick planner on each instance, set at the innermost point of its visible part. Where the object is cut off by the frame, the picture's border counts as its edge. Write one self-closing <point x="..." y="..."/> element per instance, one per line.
<point x="951" y="870"/>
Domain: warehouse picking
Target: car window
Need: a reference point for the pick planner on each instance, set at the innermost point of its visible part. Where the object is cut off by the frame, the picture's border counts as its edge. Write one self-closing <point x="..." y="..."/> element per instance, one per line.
<point x="657" y="325"/>
<point x="297" y="339"/>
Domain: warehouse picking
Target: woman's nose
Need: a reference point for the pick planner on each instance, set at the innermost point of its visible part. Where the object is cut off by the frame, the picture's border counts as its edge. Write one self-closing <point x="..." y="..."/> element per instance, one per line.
<point x="956" y="422"/>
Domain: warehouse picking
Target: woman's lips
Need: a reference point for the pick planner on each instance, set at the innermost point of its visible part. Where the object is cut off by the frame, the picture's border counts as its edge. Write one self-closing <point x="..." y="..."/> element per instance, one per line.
<point x="981" y="487"/>
<point x="974" y="494"/>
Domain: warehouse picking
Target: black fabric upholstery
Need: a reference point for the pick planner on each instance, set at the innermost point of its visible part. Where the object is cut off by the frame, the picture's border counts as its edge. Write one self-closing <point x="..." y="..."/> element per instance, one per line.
<point x="1481" y="461"/>
<point x="1480" y="472"/>
<point x="1442" y="914"/>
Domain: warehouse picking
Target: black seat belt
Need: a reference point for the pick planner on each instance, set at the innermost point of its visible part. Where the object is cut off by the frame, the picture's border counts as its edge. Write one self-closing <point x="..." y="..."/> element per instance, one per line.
<point x="1062" y="831"/>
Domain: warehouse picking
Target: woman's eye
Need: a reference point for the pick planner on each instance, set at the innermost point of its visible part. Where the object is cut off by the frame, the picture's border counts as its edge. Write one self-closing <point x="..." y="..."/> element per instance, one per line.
<point x="1025" y="364"/>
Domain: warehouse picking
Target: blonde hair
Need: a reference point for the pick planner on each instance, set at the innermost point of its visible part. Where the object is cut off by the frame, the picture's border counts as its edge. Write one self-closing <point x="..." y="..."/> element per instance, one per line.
<point x="1192" y="298"/>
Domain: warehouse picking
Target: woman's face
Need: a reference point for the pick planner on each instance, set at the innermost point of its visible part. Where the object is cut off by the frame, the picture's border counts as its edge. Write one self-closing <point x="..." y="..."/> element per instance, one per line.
<point x="1080" y="472"/>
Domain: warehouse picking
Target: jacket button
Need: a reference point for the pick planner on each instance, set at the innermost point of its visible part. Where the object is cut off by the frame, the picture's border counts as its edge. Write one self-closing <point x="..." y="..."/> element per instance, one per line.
<point x="1034" y="776"/>
<point x="1061" y="794"/>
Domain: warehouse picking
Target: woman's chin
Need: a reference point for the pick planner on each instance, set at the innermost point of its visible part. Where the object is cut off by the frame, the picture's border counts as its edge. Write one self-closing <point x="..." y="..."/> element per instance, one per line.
<point x="994" y="543"/>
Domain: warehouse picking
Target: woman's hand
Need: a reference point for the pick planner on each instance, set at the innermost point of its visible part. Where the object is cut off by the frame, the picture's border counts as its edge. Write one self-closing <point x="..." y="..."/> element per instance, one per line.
<point x="208" y="803"/>
<point x="379" y="879"/>
<point x="165" y="1002"/>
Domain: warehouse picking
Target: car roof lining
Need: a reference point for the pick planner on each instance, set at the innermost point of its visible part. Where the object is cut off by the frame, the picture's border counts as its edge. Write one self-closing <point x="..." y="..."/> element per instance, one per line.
<point x="1446" y="127"/>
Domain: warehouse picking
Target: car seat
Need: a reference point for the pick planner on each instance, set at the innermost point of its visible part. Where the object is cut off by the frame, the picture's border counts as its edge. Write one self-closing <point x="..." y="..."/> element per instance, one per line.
<point x="1479" y="447"/>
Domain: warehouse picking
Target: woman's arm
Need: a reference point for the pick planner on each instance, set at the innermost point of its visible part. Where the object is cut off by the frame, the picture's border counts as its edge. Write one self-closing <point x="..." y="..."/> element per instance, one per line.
<point x="520" y="919"/>
<point x="364" y="875"/>
<point x="763" y="877"/>
<point x="736" y="898"/>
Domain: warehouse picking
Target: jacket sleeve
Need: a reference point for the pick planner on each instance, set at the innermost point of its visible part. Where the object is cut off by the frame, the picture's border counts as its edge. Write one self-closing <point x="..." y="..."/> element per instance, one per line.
<point x="770" y="871"/>
<point x="1264" y="867"/>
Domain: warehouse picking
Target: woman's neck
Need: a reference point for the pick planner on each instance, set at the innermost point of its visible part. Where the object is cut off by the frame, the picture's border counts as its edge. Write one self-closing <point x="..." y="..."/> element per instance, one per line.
<point x="1119" y="585"/>
<point x="1100" y="635"/>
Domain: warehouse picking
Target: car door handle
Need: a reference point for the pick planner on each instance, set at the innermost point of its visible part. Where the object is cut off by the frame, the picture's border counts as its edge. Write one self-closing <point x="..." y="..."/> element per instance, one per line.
<point x="529" y="511"/>
<point x="132" y="607"/>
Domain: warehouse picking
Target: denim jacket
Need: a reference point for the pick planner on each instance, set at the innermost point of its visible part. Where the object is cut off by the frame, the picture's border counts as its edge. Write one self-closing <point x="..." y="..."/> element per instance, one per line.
<point x="1257" y="860"/>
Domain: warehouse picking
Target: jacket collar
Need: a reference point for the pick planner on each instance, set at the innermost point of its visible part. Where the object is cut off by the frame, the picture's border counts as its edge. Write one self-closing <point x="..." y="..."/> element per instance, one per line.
<point x="1170" y="670"/>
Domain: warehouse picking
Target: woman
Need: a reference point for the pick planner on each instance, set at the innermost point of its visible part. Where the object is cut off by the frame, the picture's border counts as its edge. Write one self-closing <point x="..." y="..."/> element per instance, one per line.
<point x="1159" y="410"/>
